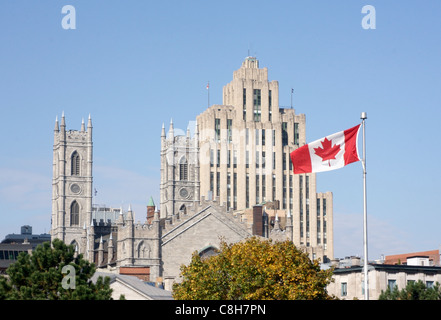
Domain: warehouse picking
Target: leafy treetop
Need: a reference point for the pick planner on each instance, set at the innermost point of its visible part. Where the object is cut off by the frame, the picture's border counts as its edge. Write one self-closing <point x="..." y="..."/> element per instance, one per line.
<point x="254" y="269"/>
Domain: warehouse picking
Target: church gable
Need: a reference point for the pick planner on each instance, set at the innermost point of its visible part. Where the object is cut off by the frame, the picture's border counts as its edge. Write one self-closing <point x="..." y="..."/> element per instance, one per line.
<point x="206" y="228"/>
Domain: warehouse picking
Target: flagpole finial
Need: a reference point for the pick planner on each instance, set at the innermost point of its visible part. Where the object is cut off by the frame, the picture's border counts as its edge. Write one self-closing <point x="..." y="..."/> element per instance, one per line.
<point x="363" y="116"/>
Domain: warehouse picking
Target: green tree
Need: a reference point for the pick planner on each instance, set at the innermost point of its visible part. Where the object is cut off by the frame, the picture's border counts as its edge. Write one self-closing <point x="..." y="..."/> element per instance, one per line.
<point x="415" y="290"/>
<point x="254" y="269"/>
<point x="40" y="276"/>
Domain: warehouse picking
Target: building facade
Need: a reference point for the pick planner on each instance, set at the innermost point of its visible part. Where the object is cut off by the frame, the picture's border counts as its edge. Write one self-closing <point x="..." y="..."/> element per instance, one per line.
<point x="244" y="158"/>
<point x="348" y="280"/>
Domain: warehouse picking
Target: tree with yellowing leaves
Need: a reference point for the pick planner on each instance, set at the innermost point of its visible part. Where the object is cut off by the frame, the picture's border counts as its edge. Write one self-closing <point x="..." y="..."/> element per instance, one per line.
<point x="254" y="269"/>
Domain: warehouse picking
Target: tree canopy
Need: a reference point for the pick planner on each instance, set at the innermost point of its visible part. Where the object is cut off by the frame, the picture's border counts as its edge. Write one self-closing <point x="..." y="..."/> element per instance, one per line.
<point x="53" y="273"/>
<point x="415" y="290"/>
<point x="254" y="269"/>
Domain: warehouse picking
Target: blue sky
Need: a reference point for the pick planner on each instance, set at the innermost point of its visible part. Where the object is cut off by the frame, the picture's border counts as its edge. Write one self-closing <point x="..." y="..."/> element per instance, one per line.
<point x="134" y="65"/>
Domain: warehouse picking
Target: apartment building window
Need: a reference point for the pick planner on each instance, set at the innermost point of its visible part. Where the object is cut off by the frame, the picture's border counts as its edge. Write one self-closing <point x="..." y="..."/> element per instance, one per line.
<point x="211" y="182"/>
<point x="274" y="161"/>
<point x="263" y="137"/>
<point x="234" y="158"/>
<point x="218" y="184"/>
<point x="230" y="130"/>
<point x="290" y="191"/>
<point x="211" y="157"/>
<point x="274" y="138"/>
<point x="284" y="160"/>
<point x="391" y="284"/>
<point x="344" y="289"/>
<point x="270" y="105"/>
<point x="247" y="159"/>
<point x="296" y="134"/>
<point x="263" y="159"/>
<point x="318" y="231"/>
<point x="284" y="192"/>
<point x="307" y="187"/>
<point x="218" y="158"/>
<point x="257" y="136"/>
<point x="284" y="133"/>
<point x="263" y="188"/>
<point x="244" y="105"/>
<point x="247" y="190"/>
<point x="217" y="129"/>
<point x="257" y="159"/>
<point x="257" y="188"/>
<point x="10" y="254"/>
<point x="307" y="222"/>
<point x="324" y="207"/>
<point x="274" y="187"/>
<point x="247" y="136"/>
<point x="229" y="158"/>
<point x="234" y="190"/>
<point x="257" y="101"/>
<point x="228" y="190"/>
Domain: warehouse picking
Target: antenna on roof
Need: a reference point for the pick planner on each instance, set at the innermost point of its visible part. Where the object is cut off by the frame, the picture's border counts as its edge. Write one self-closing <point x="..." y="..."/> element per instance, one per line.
<point x="292" y="91"/>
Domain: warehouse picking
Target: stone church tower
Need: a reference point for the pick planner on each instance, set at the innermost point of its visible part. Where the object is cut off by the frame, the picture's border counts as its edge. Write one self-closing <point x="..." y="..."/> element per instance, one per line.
<point x="179" y="186"/>
<point x="72" y="184"/>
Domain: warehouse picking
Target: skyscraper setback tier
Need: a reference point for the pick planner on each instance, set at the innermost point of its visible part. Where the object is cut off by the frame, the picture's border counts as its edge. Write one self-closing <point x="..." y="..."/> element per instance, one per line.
<point x="239" y="153"/>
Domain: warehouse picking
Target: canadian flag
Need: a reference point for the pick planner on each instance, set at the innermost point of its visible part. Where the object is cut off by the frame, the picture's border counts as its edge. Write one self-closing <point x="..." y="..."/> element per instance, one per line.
<point x="331" y="152"/>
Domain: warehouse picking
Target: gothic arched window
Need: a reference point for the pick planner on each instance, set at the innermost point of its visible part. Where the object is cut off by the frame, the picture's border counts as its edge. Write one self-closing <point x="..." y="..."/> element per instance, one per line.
<point x="75" y="164"/>
<point x="208" y="252"/>
<point x="74" y="214"/>
<point x="183" y="169"/>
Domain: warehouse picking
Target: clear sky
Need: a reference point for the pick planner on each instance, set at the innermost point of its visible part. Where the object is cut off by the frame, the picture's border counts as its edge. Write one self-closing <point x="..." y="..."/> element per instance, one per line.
<point x="134" y="65"/>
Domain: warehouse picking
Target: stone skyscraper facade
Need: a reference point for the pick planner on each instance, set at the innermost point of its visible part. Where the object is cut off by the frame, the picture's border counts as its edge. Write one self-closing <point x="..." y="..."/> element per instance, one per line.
<point x="243" y="160"/>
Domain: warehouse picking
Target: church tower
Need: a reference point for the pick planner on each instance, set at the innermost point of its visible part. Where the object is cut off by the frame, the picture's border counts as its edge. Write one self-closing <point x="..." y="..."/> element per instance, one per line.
<point x="72" y="183"/>
<point x="179" y="187"/>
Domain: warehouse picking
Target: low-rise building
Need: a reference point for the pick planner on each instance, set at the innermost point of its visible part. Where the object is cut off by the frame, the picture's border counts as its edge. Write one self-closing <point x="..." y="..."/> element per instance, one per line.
<point x="348" y="277"/>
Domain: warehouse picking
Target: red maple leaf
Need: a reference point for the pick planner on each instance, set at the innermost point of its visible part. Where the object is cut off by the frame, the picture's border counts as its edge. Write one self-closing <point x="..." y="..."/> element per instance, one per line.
<point x="328" y="152"/>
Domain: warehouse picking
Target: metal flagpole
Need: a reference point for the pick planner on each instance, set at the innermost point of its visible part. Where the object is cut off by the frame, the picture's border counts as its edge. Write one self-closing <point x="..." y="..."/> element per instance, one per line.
<point x="365" y="242"/>
<point x="208" y="92"/>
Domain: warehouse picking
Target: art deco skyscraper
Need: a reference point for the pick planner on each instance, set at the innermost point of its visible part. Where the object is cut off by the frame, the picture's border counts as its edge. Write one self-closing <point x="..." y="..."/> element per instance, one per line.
<point x="244" y="148"/>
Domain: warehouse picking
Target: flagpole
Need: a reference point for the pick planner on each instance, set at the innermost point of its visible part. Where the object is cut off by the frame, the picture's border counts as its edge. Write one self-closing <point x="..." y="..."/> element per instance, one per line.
<point x="365" y="241"/>
<point x="208" y="94"/>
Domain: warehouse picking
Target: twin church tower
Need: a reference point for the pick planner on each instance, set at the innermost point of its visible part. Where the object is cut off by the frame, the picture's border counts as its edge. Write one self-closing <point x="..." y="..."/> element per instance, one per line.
<point x="235" y="155"/>
<point x="72" y="181"/>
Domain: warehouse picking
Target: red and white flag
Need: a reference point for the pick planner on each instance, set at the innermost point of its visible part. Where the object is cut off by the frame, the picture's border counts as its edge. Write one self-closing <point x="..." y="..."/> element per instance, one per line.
<point x="331" y="152"/>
